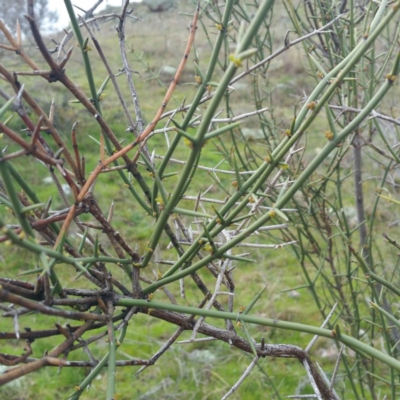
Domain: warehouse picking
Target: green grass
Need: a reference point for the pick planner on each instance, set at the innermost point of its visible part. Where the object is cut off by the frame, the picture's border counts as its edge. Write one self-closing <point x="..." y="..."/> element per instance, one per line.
<point x="181" y="372"/>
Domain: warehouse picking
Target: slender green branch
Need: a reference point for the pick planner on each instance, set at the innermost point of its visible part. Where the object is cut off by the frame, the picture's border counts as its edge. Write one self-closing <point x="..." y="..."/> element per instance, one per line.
<point x="83" y="44"/>
<point x="346" y="340"/>
<point x="203" y="128"/>
<point x="13" y="196"/>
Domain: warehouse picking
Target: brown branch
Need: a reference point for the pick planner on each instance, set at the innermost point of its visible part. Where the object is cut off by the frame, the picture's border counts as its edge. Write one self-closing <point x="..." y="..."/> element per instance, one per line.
<point x="25" y="369"/>
<point x="56" y="362"/>
<point x="20" y="291"/>
<point x="32" y="335"/>
<point x="27" y="147"/>
<point x="141" y="138"/>
<point x="6" y="296"/>
<point x="113" y="235"/>
<point x="40" y="113"/>
<point x="8" y="360"/>
<point x="173" y="338"/>
<point x="263" y="350"/>
<point x="15" y="46"/>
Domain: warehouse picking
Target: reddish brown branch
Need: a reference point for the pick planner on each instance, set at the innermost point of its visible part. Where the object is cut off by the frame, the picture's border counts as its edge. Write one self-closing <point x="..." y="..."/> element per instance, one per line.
<point x="6" y="296"/>
<point x="8" y="360"/>
<point x="230" y="337"/>
<point x="25" y="369"/>
<point x="29" y="149"/>
<point x="16" y="46"/>
<point x="102" y="164"/>
<point x="11" y="79"/>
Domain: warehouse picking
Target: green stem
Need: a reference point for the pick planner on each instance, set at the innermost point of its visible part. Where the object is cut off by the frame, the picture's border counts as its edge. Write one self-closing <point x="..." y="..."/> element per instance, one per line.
<point x="97" y="369"/>
<point x="292" y="326"/>
<point x="315" y="163"/>
<point x="94" y="95"/>
<point x="203" y="128"/>
<point x="202" y="88"/>
<point x="111" y="363"/>
<point x="84" y="51"/>
<point x="342" y="69"/>
<point x="13" y="196"/>
<point x="38" y="249"/>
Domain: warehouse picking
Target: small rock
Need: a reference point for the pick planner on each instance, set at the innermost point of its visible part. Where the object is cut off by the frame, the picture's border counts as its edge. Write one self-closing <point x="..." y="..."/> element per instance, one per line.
<point x="294" y="294"/>
<point x="168" y="71"/>
<point x="202" y="356"/>
<point x="66" y="188"/>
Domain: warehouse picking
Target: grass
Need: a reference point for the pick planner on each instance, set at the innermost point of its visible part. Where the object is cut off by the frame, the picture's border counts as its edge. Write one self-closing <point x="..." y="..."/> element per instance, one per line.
<point x="194" y="371"/>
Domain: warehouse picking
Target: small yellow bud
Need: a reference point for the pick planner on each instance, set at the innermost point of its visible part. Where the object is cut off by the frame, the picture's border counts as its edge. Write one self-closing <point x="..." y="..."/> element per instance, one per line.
<point x="391" y="78"/>
<point x="188" y="143"/>
<point x="283" y="166"/>
<point x="329" y="135"/>
<point x="311" y="105"/>
<point x="236" y="60"/>
<point x="208" y="247"/>
<point x="272" y="213"/>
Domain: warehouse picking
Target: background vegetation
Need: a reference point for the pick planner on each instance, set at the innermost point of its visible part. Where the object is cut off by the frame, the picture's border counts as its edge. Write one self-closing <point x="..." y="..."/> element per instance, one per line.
<point x="270" y="228"/>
